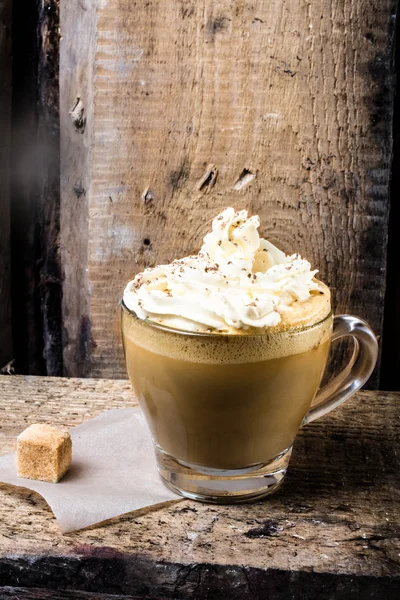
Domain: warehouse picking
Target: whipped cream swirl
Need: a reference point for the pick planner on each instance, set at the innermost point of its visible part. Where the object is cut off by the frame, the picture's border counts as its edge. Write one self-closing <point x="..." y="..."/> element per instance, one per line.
<point x="237" y="281"/>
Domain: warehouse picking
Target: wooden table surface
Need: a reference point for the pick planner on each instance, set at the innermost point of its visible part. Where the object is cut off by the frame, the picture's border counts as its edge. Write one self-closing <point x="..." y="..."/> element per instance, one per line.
<point x="332" y="531"/>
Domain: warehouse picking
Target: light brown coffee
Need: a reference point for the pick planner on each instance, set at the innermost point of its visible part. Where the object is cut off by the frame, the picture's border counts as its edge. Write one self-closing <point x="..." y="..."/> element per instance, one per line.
<point x="228" y="401"/>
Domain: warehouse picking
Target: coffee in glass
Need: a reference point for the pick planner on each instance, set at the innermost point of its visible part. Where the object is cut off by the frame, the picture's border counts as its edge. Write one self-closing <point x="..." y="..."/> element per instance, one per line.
<point x="226" y="365"/>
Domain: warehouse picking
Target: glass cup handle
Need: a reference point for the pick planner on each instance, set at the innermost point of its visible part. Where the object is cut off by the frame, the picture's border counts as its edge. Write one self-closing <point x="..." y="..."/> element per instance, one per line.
<point x="355" y="374"/>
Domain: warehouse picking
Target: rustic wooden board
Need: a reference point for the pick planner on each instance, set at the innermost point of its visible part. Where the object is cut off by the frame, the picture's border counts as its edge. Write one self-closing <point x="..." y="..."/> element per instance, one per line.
<point x="77" y="48"/>
<point x="332" y="530"/>
<point x="184" y="102"/>
<point x="48" y="141"/>
<point x="391" y="352"/>
<point x="35" y="202"/>
<point x="5" y="148"/>
<point x="18" y="593"/>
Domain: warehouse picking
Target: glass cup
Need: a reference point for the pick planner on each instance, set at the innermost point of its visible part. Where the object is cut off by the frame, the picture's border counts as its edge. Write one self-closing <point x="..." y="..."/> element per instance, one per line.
<point x="224" y="409"/>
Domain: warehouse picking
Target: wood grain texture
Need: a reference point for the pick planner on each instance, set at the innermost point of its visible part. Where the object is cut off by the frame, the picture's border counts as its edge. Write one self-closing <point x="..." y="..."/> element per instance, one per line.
<point x="390" y="349"/>
<point x="48" y="134"/>
<point x="18" y="593"/>
<point x="332" y="530"/>
<point x="196" y="106"/>
<point x="35" y="190"/>
<point x="5" y="149"/>
<point x="77" y="48"/>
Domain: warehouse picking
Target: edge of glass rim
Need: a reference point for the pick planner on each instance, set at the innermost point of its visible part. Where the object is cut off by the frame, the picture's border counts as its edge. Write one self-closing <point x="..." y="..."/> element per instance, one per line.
<point x="151" y="323"/>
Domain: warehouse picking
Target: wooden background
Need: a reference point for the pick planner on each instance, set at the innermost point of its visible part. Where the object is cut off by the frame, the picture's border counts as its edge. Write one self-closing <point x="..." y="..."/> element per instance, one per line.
<point x="5" y="146"/>
<point x="171" y="111"/>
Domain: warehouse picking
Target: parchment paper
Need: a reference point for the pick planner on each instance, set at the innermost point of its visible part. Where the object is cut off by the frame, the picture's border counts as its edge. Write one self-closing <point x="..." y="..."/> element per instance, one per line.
<point x="113" y="472"/>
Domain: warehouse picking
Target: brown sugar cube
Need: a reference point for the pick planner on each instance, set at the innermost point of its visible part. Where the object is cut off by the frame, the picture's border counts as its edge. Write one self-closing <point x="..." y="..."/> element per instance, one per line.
<point x="43" y="452"/>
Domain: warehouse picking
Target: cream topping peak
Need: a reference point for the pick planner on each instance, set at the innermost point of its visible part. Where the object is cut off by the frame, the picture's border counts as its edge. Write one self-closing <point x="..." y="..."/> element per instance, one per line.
<point x="237" y="280"/>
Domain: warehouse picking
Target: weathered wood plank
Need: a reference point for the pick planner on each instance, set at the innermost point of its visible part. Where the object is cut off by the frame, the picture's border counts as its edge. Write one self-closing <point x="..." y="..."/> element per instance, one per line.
<point x="48" y="135"/>
<point x="390" y="348"/>
<point x="27" y="328"/>
<point x="35" y="190"/>
<point x="5" y="149"/>
<point x="332" y="530"/>
<point x="300" y="97"/>
<point x="77" y="48"/>
<point x="150" y="580"/>
<point x="19" y="593"/>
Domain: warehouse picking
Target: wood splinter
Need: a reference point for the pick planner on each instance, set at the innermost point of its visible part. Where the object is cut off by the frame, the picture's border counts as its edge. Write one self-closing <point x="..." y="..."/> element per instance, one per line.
<point x="209" y="179"/>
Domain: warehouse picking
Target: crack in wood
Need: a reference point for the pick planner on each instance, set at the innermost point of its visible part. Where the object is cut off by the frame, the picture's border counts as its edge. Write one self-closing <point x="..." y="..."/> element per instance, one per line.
<point x="79" y="190"/>
<point x="77" y="113"/>
<point x="148" y="196"/>
<point x="207" y="182"/>
<point x="246" y="176"/>
<point x="269" y="528"/>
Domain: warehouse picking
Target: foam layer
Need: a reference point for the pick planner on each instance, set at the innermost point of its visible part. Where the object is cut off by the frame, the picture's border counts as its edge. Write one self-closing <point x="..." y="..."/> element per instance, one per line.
<point x="313" y="328"/>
